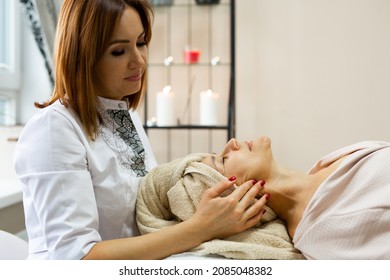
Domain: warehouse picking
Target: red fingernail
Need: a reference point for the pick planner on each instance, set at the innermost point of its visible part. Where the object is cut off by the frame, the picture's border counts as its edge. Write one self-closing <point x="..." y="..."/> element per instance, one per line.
<point x="267" y="196"/>
<point x="262" y="183"/>
<point x="254" y="181"/>
<point x="233" y="178"/>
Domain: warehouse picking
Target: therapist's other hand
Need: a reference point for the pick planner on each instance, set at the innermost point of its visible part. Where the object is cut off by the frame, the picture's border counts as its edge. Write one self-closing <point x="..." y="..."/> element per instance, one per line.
<point x="220" y="217"/>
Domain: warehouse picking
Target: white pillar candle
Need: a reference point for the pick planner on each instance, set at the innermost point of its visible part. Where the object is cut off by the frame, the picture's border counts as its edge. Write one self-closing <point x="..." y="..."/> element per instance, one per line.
<point x="165" y="107"/>
<point x="209" y="107"/>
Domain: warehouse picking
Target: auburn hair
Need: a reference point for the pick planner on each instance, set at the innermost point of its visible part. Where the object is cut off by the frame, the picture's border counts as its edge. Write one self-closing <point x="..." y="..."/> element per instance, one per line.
<point x="83" y="34"/>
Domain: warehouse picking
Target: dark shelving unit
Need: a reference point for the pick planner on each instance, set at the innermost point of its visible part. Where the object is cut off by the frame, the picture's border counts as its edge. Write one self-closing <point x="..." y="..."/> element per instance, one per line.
<point x="190" y="8"/>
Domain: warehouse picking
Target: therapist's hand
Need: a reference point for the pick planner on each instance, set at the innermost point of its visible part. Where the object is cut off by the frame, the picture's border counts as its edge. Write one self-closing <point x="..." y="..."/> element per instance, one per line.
<point x="219" y="217"/>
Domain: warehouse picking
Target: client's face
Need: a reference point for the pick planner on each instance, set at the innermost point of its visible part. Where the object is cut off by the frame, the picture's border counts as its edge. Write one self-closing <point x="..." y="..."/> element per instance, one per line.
<point x="246" y="160"/>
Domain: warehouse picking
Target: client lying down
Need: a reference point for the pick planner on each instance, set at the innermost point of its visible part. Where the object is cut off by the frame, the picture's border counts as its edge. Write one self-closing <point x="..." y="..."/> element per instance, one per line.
<point x="171" y="192"/>
<point x="340" y="209"/>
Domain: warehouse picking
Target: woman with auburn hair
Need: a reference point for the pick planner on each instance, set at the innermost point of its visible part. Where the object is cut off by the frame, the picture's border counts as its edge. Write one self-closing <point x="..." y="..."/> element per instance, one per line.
<point x="81" y="158"/>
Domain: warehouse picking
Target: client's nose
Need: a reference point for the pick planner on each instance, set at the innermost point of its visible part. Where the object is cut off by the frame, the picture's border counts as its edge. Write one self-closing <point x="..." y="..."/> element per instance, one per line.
<point x="232" y="145"/>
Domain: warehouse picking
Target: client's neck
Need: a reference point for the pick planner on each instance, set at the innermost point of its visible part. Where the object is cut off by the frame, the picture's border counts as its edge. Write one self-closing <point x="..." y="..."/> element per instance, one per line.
<point x="290" y="191"/>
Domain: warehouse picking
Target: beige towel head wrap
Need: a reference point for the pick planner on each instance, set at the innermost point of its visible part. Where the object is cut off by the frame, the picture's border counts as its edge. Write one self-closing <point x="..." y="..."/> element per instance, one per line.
<point x="171" y="193"/>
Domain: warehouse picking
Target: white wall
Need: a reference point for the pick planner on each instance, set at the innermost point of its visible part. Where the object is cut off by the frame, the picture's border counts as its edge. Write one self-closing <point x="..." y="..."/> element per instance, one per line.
<point x="313" y="74"/>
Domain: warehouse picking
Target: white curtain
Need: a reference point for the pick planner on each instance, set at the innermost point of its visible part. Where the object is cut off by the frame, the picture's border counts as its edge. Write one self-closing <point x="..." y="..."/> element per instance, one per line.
<point x="41" y="15"/>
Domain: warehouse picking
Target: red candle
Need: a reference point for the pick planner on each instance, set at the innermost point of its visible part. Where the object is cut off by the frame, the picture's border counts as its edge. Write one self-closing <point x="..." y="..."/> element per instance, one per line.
<point x="191" y="56"/>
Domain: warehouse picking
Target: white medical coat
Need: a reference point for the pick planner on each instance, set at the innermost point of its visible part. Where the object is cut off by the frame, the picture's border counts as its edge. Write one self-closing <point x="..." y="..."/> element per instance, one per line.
<point x="75" y="191"/>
